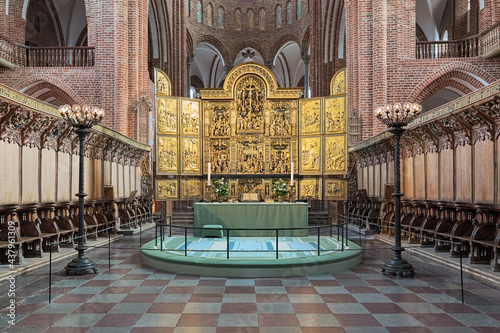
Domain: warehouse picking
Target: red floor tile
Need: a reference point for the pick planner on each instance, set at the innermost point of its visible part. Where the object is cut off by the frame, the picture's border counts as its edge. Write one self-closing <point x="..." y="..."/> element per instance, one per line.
<point x="455" y="308"/>
<point x="178" y="290"/>
<point x="74" y="298"/>
<point x="314" y="308"/>
<point x="361" y="290"/>
<point x="40" y="320"/>
<point x="239" y="308"/>
<point x="422" y="290"/>
<point x="139" y="298"/>
<point x="277" y="319"/>
<point x="410" y="329"/>
<point x="239" y="290"/>
<point x="338" y="298"/>
<point x="117" y="271"/>
<point x="94" y="308"/>
<point x="198" y="320"/>
<point x="268" y="282"/>
<point x="436" y="320"/>
<point x="212" y="283"/>
<point x="379" y="283"/>
<point x="98" y="283"/>
<point x="404" y="298"/>
<point x="387" y="308"/>
<point x="117" y="290"/>
<point x="325" y="283"/>
<point x="166" y="308"/>
<point x="300" y="290"/>
<point x="272" y="298"/>
<point x="206" y="298"/>
<point x="118" y="320"/>
<point x="152" y="330"/>
<point x="322" y="330"/>
<point x="237" y="330"/>
<point x="357" y="320"/>
<point x="137" y="277"/>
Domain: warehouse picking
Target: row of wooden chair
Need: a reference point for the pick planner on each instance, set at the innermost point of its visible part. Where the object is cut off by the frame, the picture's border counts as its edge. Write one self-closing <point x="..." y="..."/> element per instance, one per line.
<point x="35" y="228"/>
<point x="461" y="229"/>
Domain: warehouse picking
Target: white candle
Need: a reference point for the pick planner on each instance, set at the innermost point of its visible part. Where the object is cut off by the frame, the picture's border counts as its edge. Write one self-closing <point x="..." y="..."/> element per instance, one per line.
<point x="209" y="170"/>
<point x="291" y="176"/>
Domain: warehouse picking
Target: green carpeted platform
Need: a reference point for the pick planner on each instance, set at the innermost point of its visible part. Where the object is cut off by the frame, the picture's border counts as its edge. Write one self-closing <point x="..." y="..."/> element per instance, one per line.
<point x="250" y="256"/>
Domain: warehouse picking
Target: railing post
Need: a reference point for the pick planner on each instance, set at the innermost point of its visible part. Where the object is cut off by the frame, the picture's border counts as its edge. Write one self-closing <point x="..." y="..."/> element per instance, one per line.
<point x="276" y="243"/>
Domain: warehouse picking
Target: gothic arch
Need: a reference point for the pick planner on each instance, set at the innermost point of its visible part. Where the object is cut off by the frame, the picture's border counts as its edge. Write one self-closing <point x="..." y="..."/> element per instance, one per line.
<point x="279" y="44"/>
<point x="473" y="74"/>
<point x="35" y="80"/>
<point x="241" y="46"/>
<point x="215" y="43"/>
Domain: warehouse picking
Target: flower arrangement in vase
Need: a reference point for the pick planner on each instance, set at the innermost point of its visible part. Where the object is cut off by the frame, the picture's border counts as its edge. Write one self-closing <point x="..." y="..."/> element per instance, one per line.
<point x="221" y="189"/>
<point x="280" y="189"/>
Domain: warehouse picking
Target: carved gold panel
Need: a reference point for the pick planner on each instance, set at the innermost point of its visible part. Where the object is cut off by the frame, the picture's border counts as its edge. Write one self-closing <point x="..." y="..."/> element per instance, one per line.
<point x="190" y="113"/>
<point x="250" y="155"/>
<point x="191" y="155"/>
<point x="310" y="188"/>
<point x="166" y="157"/>
<point x="283" y="117"/>
<point x="310" y="116"/>
<point x="191" y="189"/>
<point x="217" y="118"/>
<point x="166" y="117"/>
<point x="251" y="185"/>
<point x="250" y="100"/>
<point x="310" y="155"/>
<point x="162" y="83"/>
<point x="335" y="189"/>
<point x="280" y="159"/>
<point x="335" y="116"/>
<point x="338" y="83"/>
<point x="167" y="189"/>
<point x="335" y="154"/>
<point x="220" y="156"/>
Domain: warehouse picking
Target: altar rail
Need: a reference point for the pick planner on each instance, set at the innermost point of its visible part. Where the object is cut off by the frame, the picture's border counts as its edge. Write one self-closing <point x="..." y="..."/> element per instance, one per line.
<point x="474" y="46"/>
<point x="342" y="236"/>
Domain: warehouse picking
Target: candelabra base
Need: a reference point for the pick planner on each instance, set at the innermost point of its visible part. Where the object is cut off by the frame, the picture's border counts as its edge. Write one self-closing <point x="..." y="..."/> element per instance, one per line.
<point x="80" y="266"/>
<point x="399" y="267"/>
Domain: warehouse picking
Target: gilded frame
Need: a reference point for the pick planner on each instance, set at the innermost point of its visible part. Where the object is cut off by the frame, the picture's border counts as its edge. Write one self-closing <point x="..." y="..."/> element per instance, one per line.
<point x="310" y="116"/>
<point x="191" y="189"/>
<point x="167" y="120"/>
<point x="166" y="189"/>
<point x="190" y="116"/>
<point x="191" y="152"/>
<point x="310" y="155"/>
<point x="335" y="189"/>
<point x="167" y="163"/>
<point x="310" y="188"/>
<point x="335" y="154"/>
<point x="335" y="116"/>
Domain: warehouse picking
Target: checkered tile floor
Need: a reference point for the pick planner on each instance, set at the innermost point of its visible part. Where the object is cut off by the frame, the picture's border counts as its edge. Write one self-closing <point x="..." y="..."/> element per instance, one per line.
<point x="131" y="297"/>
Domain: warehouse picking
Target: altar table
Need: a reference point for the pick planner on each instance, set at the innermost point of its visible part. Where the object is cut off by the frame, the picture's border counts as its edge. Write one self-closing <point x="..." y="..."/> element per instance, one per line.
<point x="253" y="216"/>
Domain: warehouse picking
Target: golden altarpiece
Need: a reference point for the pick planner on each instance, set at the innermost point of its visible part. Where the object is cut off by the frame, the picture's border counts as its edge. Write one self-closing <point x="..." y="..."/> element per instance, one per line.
<point x="250" y="131"/>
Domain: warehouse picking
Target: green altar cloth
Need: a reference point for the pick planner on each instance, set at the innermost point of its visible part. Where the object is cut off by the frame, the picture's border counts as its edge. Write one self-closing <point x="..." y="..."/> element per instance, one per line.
<point x="253" y="216"/>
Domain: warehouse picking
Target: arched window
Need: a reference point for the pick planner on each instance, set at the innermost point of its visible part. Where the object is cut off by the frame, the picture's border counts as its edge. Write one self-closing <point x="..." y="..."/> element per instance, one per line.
<point x="187" y="7"/>
<point x="237" y="19"/>
<point x="220" y="18"/>
<point x="289" y="13"/>
<point x="299" y="9"/>
<point x="250" y="19"/>
<point x="262" y="19"/>
<point x="210" y="14"/>
<point x="278" y="17"/>
<point x="199" y="12"/>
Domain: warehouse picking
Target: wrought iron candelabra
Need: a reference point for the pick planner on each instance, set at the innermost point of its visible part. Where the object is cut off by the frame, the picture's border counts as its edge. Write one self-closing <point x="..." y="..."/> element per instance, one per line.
<point x="82" y="118"/>
<point x="396" y="117"/>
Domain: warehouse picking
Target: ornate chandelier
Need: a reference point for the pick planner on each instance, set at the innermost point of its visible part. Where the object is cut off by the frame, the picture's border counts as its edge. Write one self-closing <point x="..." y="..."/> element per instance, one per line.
<point x="81" y="116"/>
<point x="398" y="115"/>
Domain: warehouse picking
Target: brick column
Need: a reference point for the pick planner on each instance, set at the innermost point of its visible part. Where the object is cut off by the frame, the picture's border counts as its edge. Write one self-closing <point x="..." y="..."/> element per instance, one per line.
<point x="379" y="61"/>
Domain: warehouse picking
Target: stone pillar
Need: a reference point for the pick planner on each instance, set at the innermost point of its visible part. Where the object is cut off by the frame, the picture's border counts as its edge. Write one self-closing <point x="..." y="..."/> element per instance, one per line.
<point x="190" y="59"/>
<point x="306" y="58"/>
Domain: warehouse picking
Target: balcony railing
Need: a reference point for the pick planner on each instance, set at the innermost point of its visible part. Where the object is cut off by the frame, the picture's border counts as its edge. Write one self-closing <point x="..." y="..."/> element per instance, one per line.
<point x="14" y="54"/>
<point x="78" y="56"/>
<point x="474" y="46"/>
